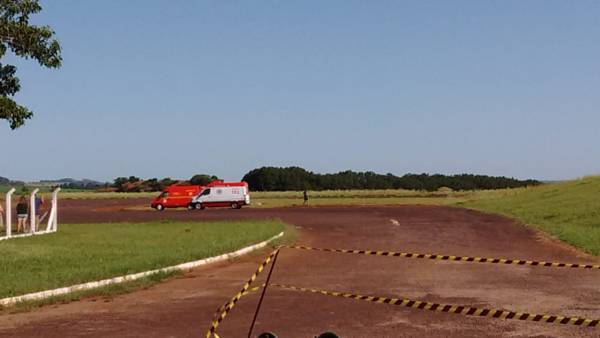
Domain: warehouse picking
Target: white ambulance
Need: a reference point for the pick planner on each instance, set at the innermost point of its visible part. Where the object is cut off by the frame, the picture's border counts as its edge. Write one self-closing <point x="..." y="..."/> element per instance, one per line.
<point x="221" y="194"/>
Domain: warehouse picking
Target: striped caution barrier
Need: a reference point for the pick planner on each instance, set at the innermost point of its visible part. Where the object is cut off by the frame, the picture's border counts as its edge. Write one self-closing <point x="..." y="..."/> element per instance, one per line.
<point x="224" y="310"/>
<point x="222" y="307"/>
<point x="447" y="308"/>
<point x="453" y="258"/>
<point x="456" y="309"/>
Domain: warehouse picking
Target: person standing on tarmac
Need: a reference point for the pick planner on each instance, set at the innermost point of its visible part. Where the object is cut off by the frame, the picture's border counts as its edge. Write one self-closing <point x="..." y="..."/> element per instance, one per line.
<point x="305" y="197"/>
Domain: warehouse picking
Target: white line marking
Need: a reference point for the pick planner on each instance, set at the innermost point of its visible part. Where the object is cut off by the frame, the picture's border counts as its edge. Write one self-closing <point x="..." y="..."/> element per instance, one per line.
<point x="394" y="221"/>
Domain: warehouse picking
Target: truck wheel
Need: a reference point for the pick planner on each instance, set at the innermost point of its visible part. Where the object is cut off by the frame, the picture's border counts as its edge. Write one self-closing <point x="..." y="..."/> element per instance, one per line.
<point x="160" y="207"/>
<point x="267" y="335"/>
<point x="199" y="206"/>
<point x="328" y="335"/>
<point x="234" y="205"/>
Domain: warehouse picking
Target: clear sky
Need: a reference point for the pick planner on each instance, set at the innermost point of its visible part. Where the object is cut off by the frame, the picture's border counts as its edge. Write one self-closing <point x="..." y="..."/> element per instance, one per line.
<point x="173" y="88"/>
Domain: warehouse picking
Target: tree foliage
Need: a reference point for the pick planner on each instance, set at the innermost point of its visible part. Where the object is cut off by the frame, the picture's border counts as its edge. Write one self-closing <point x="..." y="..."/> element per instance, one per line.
<point x="26" y="41"/>
<point x="202" y="179"/>
<point x="136" y="184"/>
<point x="296" y="178"/>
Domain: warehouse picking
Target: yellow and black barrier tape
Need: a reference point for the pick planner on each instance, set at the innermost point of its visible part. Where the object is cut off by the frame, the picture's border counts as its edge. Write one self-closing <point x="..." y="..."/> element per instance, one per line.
<point x="253" y="289"/>
<point x="453" y="258"/>
<point x="456" y="309"/>
<point x="224" y="310"/>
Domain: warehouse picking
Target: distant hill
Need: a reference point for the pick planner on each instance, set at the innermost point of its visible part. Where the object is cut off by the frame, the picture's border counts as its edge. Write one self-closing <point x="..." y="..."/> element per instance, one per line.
<point x="69" y="183"/>
<point x="7" y="181"/>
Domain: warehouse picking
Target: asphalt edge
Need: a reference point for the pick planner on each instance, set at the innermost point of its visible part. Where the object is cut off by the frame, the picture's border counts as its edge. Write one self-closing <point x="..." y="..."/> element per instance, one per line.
<point x="131" y="277"/>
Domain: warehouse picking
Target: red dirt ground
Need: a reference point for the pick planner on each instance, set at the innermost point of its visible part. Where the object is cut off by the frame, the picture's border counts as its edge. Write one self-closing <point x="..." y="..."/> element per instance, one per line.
<point x="184" y="306"/>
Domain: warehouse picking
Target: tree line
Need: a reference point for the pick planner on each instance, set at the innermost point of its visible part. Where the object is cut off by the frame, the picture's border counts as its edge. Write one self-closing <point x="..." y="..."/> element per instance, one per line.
<point x="119" y="184"/>
<point x="296" y="178"/>
<point x="136" y="184"/>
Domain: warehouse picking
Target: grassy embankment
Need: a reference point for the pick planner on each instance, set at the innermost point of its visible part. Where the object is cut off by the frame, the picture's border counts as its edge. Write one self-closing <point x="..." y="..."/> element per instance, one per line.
<point x="569" y="211"/>
<point x="81" y="253"/>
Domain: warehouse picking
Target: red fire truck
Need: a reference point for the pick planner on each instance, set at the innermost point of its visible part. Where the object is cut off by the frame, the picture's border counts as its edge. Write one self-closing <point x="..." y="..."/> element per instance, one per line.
<point x="175" y="196"/>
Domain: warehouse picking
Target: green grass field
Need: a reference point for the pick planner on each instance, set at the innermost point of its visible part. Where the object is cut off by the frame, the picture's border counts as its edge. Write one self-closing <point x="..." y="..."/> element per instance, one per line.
<point x="80" y="253"/>
<point x="569" y="211"/>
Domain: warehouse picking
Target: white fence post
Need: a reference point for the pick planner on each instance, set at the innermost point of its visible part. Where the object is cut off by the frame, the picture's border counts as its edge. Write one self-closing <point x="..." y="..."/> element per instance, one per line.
<point x="8" y="212"/>
<point x="55" y="201"/>
<point x="53" y="217"/>
<point x="32" y="210"/>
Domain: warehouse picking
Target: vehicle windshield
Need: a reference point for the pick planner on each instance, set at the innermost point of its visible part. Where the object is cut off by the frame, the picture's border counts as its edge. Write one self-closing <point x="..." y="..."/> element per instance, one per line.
<point x="163" y="195"/>
<point x="205" y="192"/>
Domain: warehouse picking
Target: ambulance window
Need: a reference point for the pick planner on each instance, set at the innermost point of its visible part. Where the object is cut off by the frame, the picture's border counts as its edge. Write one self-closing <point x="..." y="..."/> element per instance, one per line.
<point x="164" y="195"/>
<point x="206" y="192"/>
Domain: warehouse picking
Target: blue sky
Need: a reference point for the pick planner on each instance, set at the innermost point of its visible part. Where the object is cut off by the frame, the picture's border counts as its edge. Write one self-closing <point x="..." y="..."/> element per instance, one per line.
<point x="173" y="88"/>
